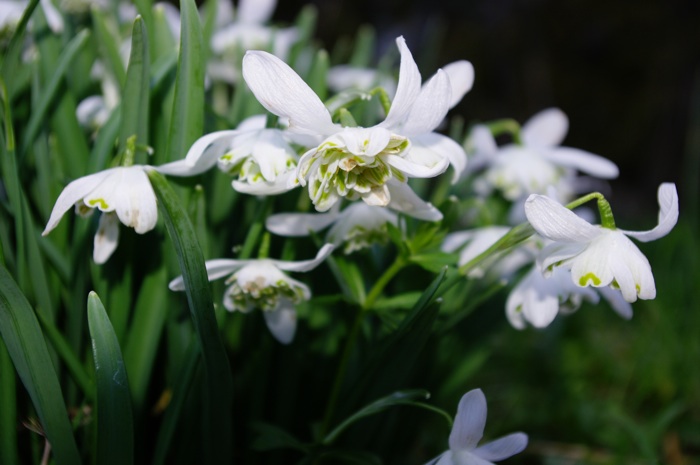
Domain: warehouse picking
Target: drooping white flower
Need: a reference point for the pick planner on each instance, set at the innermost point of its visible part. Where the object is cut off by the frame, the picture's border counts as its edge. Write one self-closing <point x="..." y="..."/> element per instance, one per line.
<point x="262" y="284"/>
<point x="368" y="163"/>
<point x="358" y="226"/>
<point x="519" y="170"/>
<point x="600" y="256"/>
<point x="468" y="430"/>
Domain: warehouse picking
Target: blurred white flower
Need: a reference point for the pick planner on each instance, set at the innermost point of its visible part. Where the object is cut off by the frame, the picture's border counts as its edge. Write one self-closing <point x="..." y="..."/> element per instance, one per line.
<point x="597" y="255"/>
<point x="262" y="284"/>
<point x="468" y="430"/>
<point x="344" y="77"/>
<point x="358" y="226"/>
<point x="368" y="163"/>
<point x="11" y="12"/>
<point x="540" y="162"/>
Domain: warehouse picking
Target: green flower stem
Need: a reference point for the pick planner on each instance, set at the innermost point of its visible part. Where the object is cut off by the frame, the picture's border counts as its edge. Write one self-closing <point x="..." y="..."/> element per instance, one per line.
<point x="346" y="118"/>
<point x="606" y="216"/>
<point x="374" y="293"/>
<point x="255" y="229"/>
<point x="506" y="126"/>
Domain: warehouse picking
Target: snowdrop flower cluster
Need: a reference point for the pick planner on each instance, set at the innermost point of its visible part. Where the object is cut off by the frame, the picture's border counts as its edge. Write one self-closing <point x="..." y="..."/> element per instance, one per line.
<point x="261" y="284"/>
<point x="468" y="430"/>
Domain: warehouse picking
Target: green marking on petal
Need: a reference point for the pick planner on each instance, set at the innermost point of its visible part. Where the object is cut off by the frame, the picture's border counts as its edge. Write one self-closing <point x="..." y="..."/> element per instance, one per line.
<point x="583" y="281"/>
<point x="102" y="204"/>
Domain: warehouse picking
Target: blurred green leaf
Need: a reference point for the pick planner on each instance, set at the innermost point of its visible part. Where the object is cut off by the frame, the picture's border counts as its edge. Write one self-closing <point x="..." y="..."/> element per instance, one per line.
<point x="108" y="41"/>
<point x="115" y="429"/>
<point x="187" y="123"/>
<point x="10" y="58"/>
<point x="270" y="437"/>
<point x="434" y="261"/>
<point x="136" y="96"/>
<point x="317" y="78"/>
<point x="217" y="428"/>
<point x="8" y="408"/>
<point x="22" y="335"/>
<point x="364" y="47"/>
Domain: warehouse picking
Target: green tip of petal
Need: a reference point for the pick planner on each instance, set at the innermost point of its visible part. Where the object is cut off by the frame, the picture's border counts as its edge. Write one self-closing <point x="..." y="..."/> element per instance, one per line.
<point x="583" y="281"/>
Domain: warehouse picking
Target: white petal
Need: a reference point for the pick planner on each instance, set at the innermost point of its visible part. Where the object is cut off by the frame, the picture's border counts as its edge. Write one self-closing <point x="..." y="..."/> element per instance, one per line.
<point x="407" y="90"/>
<point x="545" y="129"/>
<point x="502" y="448"/>
<point x="586" y="162"/>
<point x="556" y="222"/>
<point x="217" y="268"/>
<point x="461" y="75"/>
<point x="668" y="215"/>
<point x="282" y="322"/>
<point x="443" y="146"/>
<point x="281" y="91"/>
<point x="280" y="185"/>
<point x="557" y="252"/>
<point x="53" y="16"/>
<point x="418" y="166"/>
<point x="404" y="200"/>
<point x="454" y="241"/>
<point x="202" y="155"/>
<point x="306" y="265"/>
<point x="365" y="141"/>
<point x="299" y="224"/>
<point x="106" y="238"/>
<point x="135" y="201"/>
<point x="592" y="266"/>
<point x="470" y="420"/>
<point x="532" y="300"/>
<point x="92" y="111"/>
<point x="617" y="302"/>
<point x="71" y="194"/>
<point x="255" y="11"/>
<point x="431" y="106"/>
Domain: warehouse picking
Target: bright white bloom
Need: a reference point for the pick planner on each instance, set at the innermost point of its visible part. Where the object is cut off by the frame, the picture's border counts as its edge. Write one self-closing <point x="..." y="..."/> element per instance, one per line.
<point x="358" y="226"/>
<point x="600" y="256"/>
<point x="368" y="163"/>
<point x="478" y="241"/>
<point x="540" y="162"/>
<point x="468" y="430"/>
<point x="248" y="31"/>
<point x="262" y="284"/>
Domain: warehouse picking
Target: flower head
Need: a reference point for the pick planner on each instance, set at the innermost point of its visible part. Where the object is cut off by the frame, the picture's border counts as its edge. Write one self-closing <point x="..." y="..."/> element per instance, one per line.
<point x="262" y="284"/>
<point x="361" y="162"/>
<point x="600" y="256"/>
<point x="467" y="431"/>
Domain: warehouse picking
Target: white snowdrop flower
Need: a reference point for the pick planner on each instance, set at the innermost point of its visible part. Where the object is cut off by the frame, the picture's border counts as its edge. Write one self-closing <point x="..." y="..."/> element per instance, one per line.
<point x="262" y="284"/>
<point x="358" y="226"/>
<point x="468" y="430"/>
<point x="368" y="163"/>
<point x="519" y="170"/>
<point x="600" y="256"/>
<point x="11" y="12"/>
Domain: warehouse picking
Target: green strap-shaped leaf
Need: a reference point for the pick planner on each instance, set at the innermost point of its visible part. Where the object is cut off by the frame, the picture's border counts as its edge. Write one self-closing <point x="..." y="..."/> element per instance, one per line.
<point x="135" y="98"/>
<point x="108" y="41"/>
<point x="8" y="409"/>
<point x="22" y="335"/>
<point x="217" y="430"/>
<point x="187" y="123"/>
<point x="115" y="428"/>
<point x="9" y="60"/>
<point x="51" y="89"/>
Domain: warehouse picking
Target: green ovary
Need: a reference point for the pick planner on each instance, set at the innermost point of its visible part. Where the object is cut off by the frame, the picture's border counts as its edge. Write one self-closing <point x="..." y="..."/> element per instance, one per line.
<point x="583" y="281"/>
<point x="252" y="295"/>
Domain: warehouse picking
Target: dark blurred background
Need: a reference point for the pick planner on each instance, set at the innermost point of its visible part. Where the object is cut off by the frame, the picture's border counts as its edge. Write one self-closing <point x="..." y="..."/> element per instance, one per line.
<point x="626" y="72"/>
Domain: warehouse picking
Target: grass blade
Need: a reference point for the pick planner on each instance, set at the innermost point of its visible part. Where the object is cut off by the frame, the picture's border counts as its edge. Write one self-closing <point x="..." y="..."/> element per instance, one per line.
<point x="217" y="430"/>
<point x="187" y="123"/>
<point x="8" y="409"/>
<point x="115" y="428"/>
<point x="22" y="335"/>
<point x="107" y="41"/>
<point x="135" y="98"/>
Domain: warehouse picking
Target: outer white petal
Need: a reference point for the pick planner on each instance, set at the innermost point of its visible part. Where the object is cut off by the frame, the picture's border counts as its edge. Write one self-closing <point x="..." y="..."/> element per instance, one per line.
<point x="617" y="302"/>
<point x="443" y="146"/>
<point x="431" y="106"/>
<point x="306" y="265"/>
<point x="282" y="322"/>
<point x="545" y="129"/>
<point x="468" y="427"/>
<point x="592" y="266"/>
<point x="106" y="238"/>
<point x="556" y="222"/>
<point x="558" y="252"/>
<point x="532" y="300"/>
<point x="461" y="75"/>
<point x="135" y="203"/>
<point x="417" y="166"/>
<point x="299" y="224"/>
<point x="404" y="200"/>
<point x="586" y="162"/>
<point x="631" y="270"/>
<point x="92" y="111"/>
<point x="255" y="11"/>
<point x="502" y="448"/>
<point x="202" y="155"/>
<point x="408" y="87"/>
<point x="668" y="215"/>
<point x="216" y="269"/>
<point x="281" y="91"/>
<point x="71" y="194"/>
